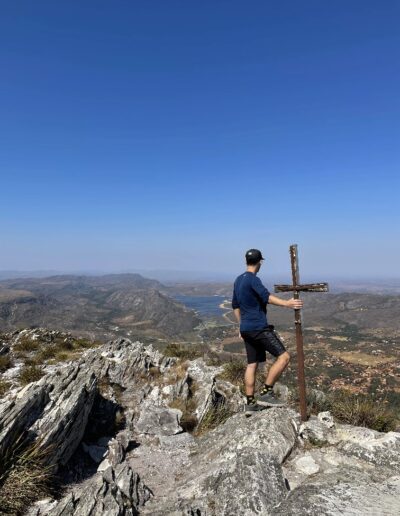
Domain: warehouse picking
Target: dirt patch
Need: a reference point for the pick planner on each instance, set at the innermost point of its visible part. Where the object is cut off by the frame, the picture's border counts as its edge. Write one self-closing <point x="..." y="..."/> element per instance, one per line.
<point x="356" y="357"/>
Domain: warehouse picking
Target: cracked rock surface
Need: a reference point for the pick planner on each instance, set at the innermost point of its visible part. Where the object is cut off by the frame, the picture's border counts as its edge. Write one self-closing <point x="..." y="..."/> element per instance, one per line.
<point x="115" y="423"/>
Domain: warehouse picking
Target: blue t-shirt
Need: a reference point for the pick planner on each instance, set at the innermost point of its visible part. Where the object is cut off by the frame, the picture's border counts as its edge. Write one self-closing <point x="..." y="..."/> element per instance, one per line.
<point x="250" y="295"/>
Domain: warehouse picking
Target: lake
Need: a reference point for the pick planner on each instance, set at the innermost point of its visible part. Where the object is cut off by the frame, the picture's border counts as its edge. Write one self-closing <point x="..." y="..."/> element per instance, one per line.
<point x="203" y="305"/>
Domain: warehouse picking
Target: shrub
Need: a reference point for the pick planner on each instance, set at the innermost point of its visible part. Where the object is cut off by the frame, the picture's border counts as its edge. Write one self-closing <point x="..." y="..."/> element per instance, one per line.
<point x="63" y="344"/>
<point x="182" y="352"/>
<point x="234" y="371"/>
<point x="30" y="373"/>
<point x="47" y="352"/>
<point x="212" y="358"/>
<point x="4" y="387"/>
<point x="362" y="410"/>
<point x="85" y="343"/>
<point x="62" y="356"/>
<point x="5" y="362"/>
<point x="216" y="415"/>
<point x="24" y="477"/>
<point x="354" y="409"/>
<point x="26" y="344"/>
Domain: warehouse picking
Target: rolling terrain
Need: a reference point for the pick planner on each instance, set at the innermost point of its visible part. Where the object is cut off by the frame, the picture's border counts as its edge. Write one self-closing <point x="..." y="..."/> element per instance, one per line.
<point x="95" y="306"/>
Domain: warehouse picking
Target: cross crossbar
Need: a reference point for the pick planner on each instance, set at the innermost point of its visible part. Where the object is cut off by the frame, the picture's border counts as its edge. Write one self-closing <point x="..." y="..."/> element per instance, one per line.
<point x="306" y="287"/>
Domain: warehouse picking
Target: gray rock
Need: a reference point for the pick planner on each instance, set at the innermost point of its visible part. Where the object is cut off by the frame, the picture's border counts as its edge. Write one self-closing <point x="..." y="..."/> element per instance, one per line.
<point x="374" y="447"/>
<point x="204" y="378"/>
<point x="270" y="463"/>
<point x="307" y="465"/>
<point x="348" y="491"/>
<point x="4" y="349"/>
<point x="159" y="421"/>
<point x="18" y="414"/>
<point x="63" y="421"/>
<point x="326" y="418"/>
<point x="235" y="468"/>
<point x="317" y="432"/>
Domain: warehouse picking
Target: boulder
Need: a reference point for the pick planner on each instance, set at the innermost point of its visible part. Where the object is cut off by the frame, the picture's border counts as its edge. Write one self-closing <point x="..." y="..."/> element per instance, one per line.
<point x="159" y="421"/>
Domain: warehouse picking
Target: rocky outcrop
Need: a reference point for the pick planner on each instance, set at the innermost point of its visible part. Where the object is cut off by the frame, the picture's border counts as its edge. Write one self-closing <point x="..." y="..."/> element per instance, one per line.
<point x="113" y="425"/>
<point x="115" y="489"/>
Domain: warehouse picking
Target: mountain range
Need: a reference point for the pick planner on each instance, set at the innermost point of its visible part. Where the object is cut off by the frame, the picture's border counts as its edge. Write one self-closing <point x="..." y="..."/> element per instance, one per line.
<point x="95" y="306"/>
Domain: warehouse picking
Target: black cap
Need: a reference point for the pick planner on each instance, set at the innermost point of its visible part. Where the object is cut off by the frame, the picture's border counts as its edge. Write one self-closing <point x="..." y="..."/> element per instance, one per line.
<point x="253" y="256"/>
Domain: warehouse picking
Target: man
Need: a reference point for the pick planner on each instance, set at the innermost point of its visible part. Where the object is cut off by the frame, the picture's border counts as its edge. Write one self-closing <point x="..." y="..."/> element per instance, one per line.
<point x="249" y="303"/>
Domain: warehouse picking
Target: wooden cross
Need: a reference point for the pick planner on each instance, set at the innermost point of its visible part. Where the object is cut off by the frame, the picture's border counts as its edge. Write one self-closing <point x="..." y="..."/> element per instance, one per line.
<point x="296" y="288"/>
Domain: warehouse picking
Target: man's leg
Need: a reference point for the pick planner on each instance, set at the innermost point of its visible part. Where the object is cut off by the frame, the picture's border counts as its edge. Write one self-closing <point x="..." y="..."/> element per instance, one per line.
<point x="277" y="368"/>
<point x="249" y="382"/>
<point x="272" y="343"/>
<point x="250" y="378"/>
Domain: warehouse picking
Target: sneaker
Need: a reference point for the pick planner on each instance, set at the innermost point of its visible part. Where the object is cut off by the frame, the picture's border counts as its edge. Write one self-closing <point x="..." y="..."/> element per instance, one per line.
<point x="251" y="408"/>
<point x="269" y="400"/>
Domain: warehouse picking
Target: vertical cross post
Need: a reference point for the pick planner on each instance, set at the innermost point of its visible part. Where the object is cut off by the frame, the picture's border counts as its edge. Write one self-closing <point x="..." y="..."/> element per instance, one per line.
<point x="296" y="288"/>
<point x="294" y="260"/>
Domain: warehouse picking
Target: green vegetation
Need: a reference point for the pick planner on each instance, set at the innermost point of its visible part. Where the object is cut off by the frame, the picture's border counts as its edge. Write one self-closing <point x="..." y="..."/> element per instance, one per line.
<point x="46" y="353"/>
<point x="234" y="371"/>
<point x="182" y="352"/>
<point x="216" y="415"/>
<point x="85" y="344"/>
<point x="24" y="345"/>
<point x="24" y="477"/>
<point x="30" y="373"/>
<point x="355" y="409"/>
<point x="4" y="387"/>
<point x="62" y="348"/>
<point x="5" y="362"/>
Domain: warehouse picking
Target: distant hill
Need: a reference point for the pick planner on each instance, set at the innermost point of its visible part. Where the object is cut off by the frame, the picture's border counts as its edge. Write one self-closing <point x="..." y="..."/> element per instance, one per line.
<point x="364" y="311"/>
<point x="96" y="306"/>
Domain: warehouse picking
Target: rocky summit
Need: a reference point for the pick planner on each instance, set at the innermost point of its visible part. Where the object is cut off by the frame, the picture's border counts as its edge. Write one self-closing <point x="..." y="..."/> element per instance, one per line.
<point x="124" y="430"/>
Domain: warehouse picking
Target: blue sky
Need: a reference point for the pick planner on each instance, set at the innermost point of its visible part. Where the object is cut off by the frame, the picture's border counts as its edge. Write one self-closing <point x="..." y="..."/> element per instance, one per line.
<point x="176" y="135"/>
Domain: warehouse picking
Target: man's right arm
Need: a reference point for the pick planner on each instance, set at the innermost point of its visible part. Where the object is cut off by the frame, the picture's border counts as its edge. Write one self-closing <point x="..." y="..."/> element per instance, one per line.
<point x="235" y="307"/>
<point x="261" y="291"/>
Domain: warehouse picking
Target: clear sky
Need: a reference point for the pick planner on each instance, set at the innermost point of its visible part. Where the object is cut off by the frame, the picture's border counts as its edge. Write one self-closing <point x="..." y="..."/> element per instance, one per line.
<point x="177" y="134"/>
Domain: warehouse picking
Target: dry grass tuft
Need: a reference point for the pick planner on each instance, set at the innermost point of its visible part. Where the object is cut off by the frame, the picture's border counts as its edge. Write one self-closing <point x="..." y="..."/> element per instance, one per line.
<point x="355" y="409"/>
<point x="63" y="356"/>
<point x="363" y="411"/>
<point x="5" y="362"/>
<point x="182" y="352"/>
<point x="24" y="345"/>
<point x="30" y="373"/>
<point x="86" y="344"/>
<point x="4" y="387"/>
<point x="24" y="477"/>
<point x="175" y="373"/>
<point x="216" y="415"/>
<point x="234" y="371"/>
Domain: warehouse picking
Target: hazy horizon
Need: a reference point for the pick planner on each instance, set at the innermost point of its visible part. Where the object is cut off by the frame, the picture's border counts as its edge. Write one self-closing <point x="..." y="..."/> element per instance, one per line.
<point x="193" y="276"/>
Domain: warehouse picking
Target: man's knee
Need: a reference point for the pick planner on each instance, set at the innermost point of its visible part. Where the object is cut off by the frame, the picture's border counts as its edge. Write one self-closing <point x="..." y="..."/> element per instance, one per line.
<point x="284" y="358"/>
<point x="252" y="367"/>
